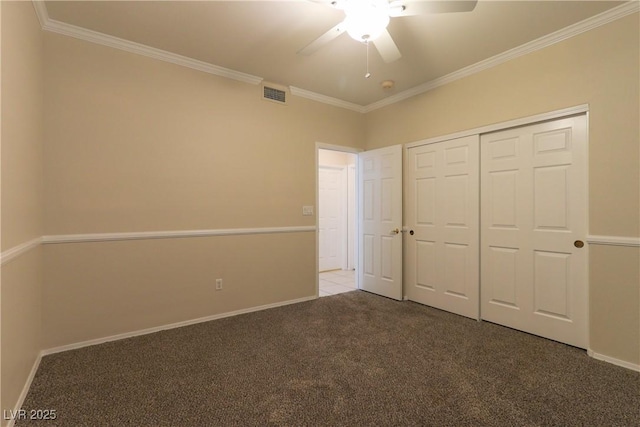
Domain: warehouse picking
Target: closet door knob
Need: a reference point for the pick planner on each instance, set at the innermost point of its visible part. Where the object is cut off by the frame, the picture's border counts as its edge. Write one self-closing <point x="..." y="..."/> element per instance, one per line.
<point x="578" y="244"/>
<point x="411" y="232"/>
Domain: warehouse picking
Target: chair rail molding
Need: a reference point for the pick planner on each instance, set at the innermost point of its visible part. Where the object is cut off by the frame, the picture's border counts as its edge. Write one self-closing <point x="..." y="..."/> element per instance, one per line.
<point x="614" y="240"/>
<point x="146" y="235"/>
<point x="16" y="251"/>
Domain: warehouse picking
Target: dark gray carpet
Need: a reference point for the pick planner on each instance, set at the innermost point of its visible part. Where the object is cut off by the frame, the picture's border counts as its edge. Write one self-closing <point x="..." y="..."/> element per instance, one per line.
<point x="350" y="359"/>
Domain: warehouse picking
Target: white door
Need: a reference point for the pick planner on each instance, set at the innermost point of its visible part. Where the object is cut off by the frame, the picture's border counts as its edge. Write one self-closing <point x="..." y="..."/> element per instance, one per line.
<point x="331" y="198"/>
<point x="380" y="219"/>
<point x="442" y="218"/>
<point x="352" y="230"/>
<point x="534" y="211"/>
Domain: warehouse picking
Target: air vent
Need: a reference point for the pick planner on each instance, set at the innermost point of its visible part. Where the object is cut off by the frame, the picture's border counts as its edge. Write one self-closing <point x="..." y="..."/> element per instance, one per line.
<point x="274" y="93"/>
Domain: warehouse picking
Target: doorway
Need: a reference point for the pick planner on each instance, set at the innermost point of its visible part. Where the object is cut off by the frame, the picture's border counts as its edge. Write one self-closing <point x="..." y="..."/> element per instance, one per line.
<point x="337" y="226"/>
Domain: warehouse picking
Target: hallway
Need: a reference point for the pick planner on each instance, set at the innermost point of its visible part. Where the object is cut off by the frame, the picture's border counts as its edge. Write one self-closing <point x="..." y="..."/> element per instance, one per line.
<point x="337" y="281"/>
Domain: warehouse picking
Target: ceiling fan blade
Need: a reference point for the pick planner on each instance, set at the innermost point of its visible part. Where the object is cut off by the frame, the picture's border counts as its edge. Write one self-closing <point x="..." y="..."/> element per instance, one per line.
<point x="418" y="7"/>
<point x="323" y="39"/>
<point x="387" y="48"/>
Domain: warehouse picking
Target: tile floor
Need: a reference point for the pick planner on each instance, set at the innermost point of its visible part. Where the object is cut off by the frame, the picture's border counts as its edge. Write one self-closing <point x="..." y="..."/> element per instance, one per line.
<point x="337" y="281"/>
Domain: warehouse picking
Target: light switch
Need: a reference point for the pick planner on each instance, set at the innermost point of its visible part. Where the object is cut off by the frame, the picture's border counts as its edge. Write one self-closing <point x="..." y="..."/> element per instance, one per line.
<point x="307" y="210"/>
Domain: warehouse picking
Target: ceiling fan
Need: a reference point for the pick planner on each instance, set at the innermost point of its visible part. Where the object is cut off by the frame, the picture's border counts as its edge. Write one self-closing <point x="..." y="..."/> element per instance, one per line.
<point x="366" y="21"/>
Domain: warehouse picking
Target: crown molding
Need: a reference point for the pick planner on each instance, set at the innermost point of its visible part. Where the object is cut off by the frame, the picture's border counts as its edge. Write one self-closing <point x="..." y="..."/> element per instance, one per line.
<point x="326" y="99"/>
<point x="41" y="12"/>
<point x="532" y="46"/>
<point x="54" y="26"/>
<point x="611" y="15"/>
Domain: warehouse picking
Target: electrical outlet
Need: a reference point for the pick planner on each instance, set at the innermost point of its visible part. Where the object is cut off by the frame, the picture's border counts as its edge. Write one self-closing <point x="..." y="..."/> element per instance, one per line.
<point x="218" y="284"/>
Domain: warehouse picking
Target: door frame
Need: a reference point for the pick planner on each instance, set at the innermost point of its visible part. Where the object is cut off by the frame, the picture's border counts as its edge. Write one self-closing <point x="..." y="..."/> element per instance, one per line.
<point x="352" y="217"/>
<point x="523" y="121"/>
<point x="331" y="147"/>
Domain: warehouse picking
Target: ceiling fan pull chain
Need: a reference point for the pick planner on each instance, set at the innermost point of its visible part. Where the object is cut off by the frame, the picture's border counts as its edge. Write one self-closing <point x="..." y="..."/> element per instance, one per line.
<point x="366" y="76"/>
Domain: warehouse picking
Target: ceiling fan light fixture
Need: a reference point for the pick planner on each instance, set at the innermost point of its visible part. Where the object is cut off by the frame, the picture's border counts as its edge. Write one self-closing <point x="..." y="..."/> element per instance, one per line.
<point x="366" y="20"/>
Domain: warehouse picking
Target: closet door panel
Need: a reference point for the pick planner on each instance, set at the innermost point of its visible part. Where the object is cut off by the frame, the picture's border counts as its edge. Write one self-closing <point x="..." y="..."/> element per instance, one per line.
<point x="533" y="210"/>
<point x="442" y="219"/>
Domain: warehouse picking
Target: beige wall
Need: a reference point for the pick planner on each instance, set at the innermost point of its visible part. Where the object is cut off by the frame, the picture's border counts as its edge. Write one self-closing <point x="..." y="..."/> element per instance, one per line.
<point x="135" y="144"/>
<point x="599" y="68"/>
<point x="100" y="289"/>
<point x="22" y="114"/>
<point x="21" y="328"/>
<point x="21" y="190"/>
<point x="614" y="275"/>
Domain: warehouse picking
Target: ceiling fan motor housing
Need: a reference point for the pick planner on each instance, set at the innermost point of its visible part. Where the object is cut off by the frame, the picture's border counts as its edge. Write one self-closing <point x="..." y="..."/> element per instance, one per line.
<point x="366" y="20"/>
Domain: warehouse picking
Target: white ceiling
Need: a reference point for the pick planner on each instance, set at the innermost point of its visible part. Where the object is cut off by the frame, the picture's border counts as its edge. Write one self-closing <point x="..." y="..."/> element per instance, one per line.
<point x="262" y="38"/>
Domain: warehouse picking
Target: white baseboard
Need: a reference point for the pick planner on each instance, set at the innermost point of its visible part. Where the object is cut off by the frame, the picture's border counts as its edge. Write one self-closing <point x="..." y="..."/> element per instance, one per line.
<point x="614" y="361"/>
<point x="36" y="364"/>
<point x="170" y="326"/>
<point x="25" y="389"/>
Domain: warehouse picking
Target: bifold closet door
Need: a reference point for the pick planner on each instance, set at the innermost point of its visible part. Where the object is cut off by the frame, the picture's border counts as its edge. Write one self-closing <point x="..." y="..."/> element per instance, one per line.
<point x="442" y="223"/>
<point x="533" y="224"/>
